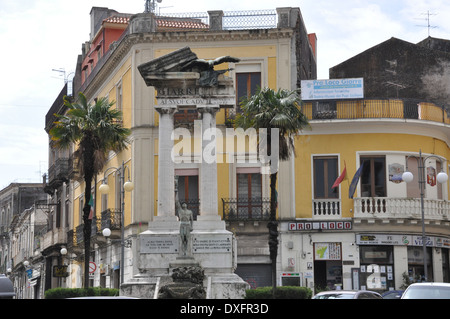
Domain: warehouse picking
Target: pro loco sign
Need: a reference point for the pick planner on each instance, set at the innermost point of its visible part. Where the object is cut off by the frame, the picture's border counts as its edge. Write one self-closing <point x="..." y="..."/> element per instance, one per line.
<point x="325" y="225"/>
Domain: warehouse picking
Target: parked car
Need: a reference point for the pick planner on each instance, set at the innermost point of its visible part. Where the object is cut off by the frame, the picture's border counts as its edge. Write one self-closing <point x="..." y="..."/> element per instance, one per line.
<point x="6" y="288"/>
<point x="347" y="294"/>
<point x="392" y="294"/>
<point x="427" y="290"/>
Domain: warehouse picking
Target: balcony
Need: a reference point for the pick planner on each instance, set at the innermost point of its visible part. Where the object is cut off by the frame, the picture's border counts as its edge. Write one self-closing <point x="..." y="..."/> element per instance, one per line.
<point x="384" y="208"/>
<point x="246" y="209"/>
<point x="58" y="173"/>
<point x="326" y="209"/>
<point x="375" y="109"/>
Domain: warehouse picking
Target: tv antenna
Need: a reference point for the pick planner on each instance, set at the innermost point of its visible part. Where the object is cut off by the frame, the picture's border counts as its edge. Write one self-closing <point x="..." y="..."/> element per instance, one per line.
<point x="429" y="26"/>
<point x="150" y="6"/>
<point x="65" y="76"/>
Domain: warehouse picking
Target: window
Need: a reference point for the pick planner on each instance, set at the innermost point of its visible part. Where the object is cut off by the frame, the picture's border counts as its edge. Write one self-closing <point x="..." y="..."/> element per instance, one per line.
<point x="188" y="191"/>
<point x="249" y="193"/>
<point x="373" y="176"/>
<point x="246" y="85"/>
<point x="325" y="174"/>
<point x="119" y="97"/>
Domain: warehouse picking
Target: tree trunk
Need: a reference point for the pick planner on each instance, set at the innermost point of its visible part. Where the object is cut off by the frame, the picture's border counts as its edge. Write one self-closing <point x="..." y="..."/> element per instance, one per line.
<point x="88" y="164"/>
<point x="273" y="230"/>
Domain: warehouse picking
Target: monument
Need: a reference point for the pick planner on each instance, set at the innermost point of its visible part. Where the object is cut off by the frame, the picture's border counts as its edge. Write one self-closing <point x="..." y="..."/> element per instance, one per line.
<point x="174" y="243"/>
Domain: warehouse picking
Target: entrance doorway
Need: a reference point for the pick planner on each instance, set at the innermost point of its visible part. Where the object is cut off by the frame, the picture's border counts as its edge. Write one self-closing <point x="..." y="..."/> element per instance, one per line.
<point x="328" y="275"/>
<point x="328" y="266"/>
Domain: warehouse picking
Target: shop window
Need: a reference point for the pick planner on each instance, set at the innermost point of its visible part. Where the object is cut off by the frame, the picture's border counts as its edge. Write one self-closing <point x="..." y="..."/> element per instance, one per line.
<point x="376" y="268"/>
<point x="416" y="270"/>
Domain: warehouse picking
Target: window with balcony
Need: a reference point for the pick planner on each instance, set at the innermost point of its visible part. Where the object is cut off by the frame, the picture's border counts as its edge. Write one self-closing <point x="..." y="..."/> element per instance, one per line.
<point x="373" y="176"/>
<point x="326" y="199"/>
<point x="249" y="193"/>
<point x="188" y="189"/>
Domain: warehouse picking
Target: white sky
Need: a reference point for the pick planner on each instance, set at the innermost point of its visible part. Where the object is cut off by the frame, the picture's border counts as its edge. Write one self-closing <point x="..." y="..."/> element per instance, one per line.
<point x="37" y="36"/>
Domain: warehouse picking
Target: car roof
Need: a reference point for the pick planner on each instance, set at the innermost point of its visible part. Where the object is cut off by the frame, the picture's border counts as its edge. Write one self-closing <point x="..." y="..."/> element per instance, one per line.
<point x="329" y="292"/>
<point x="440" y="284"/>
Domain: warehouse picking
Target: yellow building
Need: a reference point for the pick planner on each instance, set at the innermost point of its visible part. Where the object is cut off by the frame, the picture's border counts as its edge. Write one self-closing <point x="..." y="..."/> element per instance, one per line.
<point x="328" y="236"/>
<point x="279" y="55"/>
<point x="367" y="239"/>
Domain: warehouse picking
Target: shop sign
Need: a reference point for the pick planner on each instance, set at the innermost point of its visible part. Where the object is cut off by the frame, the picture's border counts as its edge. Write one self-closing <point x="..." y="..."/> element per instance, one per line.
<point x="60" y="271"/>
<point x="333" y="89"/>
<point x="401" y="240"/>
<point x="307" y="226"/>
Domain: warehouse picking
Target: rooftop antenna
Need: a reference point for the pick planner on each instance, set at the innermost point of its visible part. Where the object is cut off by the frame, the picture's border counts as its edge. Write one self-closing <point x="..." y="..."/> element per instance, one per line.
<point x="429" y="26"/>
<point x="150" y="6"/>
<point x="62" y="72"/>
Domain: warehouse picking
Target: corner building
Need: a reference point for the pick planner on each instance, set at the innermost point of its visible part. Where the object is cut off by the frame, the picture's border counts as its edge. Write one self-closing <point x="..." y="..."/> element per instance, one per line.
<point x="372" y="237"/>
<point x="278" y="55"/>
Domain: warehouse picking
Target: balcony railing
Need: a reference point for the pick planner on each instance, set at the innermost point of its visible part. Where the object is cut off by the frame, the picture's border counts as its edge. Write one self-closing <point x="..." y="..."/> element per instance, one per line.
<point x="375" y="108"/>
<point x="111" y="218"/>
<point x="401" y="208"/>
<point x="58" y="173"/>
<point x="241" y="209"/>
<point x="326" y="208"/>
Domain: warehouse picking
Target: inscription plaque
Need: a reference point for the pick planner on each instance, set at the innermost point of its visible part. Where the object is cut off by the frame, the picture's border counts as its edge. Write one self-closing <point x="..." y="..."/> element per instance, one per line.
<point x="159" y="244"/>
<point x="211" y="244"/>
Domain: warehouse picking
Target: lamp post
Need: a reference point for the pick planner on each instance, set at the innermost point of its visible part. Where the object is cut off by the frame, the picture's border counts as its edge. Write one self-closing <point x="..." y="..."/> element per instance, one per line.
<point x="408" y="177"/>
<point x="124" y="186"/>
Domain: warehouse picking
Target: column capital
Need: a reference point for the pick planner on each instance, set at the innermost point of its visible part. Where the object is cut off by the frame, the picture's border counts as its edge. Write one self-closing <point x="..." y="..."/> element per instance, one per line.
<point x="212" y="109"/>
<point x="165" y="109"/>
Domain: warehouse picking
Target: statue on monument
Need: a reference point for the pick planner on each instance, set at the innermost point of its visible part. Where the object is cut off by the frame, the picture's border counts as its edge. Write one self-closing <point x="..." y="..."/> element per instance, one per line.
<point x="208" y="76"/>
<point x="186" y="218"/>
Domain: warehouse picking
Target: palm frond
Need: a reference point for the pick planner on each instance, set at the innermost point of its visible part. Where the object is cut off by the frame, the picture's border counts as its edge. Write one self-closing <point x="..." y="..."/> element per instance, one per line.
<point x="274" y="109"/>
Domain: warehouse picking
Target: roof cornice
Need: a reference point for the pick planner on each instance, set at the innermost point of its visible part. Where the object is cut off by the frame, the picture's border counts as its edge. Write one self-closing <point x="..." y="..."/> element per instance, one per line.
<point x="116" y="54"/>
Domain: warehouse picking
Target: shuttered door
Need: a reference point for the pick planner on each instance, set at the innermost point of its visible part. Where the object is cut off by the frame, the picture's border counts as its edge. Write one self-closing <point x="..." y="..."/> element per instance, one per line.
<point x="257" y="275"/>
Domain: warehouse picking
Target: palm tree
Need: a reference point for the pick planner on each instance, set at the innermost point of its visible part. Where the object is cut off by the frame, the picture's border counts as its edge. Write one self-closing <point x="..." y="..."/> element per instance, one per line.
<point x="268" y="109"/>
<point x="96" y="130"/>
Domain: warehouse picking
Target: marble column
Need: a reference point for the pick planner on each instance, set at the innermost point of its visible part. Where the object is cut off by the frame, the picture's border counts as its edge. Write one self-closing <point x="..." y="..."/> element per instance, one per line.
<point x="166" y="166"/>
<point x="208" y="174"/>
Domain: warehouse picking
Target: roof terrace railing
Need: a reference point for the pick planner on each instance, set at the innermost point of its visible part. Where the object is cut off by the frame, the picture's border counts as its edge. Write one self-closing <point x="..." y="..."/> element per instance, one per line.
<point x="375" y="108"/>
<point x="236" y="20"/>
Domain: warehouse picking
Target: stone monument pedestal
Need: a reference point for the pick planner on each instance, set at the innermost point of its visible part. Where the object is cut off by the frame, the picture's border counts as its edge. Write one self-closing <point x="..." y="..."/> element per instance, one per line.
<point x="214" y="250"/>
<point x="184" y="81"/>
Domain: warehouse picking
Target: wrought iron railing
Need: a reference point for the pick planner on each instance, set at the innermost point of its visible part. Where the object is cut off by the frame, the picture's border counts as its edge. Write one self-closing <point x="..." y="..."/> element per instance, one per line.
<point x="111" y="218"/>
<point x="375" y="108"/>
<point x="256" y="209"/>
<point x="59" y="171"/>
<point x="236" y="20"/>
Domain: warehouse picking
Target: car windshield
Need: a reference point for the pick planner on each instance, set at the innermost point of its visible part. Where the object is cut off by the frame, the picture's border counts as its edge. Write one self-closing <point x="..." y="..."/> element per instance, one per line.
<point x="337" y="295"/>
<point x="427" y="292"/>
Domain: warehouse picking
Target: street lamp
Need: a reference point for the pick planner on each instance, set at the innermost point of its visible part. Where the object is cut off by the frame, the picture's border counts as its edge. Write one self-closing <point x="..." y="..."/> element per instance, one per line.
<point x="408" y="177"/>
<point x="125" y="186"/>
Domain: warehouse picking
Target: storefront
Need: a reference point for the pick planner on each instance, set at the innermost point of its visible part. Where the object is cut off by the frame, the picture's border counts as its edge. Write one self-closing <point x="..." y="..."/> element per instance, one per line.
<point x="333" y="255"/>
<point x="386" y="258"/>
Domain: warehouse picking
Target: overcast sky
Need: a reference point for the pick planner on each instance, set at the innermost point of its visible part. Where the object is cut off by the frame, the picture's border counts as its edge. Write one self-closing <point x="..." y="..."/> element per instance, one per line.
<point x="38" y="36"/>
